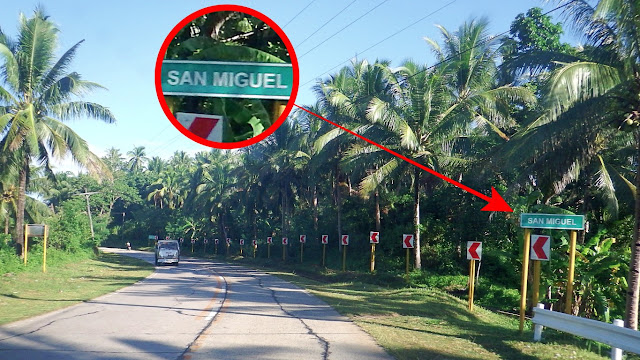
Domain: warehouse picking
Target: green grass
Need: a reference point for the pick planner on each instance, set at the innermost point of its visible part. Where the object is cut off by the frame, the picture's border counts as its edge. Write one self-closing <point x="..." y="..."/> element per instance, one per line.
<point x="419" y="318"/>
<point x="426" y="323"/>
<point x="29" y="293"/>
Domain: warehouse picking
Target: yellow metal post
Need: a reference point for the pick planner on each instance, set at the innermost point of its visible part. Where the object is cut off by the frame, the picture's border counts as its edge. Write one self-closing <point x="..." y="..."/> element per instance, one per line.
<point x="192" y="248"/>
<point x="241" y="249"/>
<point x="255" y="248"/>
<point x="535" y="292"/>
<point x="472" y="282"/>
<point x="284" y="251"/>
<point x="572" y="264"/>
<point x="24" y="250"/>
<point x="344" y="258"/>
<point x="324" y="251"/>
<point x="227" y="249"/>
<point x="525" y="275"/>
<point x="372" y="265"/>
<point x="278" y="109"/>
<point x="44" y="249"/>
<point x="301" y="251"/>
<point x="407" y="262"/>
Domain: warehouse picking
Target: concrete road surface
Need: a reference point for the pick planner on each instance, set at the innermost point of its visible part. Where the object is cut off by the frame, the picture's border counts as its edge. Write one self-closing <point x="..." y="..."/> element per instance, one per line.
<point x="197" y="310"/>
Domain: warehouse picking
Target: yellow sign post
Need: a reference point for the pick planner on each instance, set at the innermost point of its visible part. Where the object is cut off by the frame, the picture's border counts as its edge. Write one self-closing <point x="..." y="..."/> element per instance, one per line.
<point x="472" y="282"/>
<point x="26" y="239"/>
<point x="345" y="245"/>
<point x="372" y="263"/>
<point x="255" y="248"/>
<point x="325" y="240"/>
<point x="285" y="242"/>
<point x="572" y="265"/>
<point x="525" y="275"/>
<point x="44" y="249"/>
<point x="474" y="252"/>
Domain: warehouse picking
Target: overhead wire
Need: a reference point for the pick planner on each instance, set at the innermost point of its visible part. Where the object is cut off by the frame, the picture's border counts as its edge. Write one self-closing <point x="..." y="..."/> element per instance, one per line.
<point x="441" y="61"/>
<point x="385" y="39"/>
<point x="326" y="22"/>
<point x="298" y="14"/>
<point x="341" y="30"/>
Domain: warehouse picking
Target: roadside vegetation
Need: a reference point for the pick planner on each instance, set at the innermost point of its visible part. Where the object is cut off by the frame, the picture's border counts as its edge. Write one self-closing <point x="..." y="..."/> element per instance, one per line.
<point x="70" y="279"/>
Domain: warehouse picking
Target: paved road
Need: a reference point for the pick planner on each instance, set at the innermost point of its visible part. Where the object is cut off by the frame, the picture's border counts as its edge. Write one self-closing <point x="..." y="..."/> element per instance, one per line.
<point x="198" y="310"/>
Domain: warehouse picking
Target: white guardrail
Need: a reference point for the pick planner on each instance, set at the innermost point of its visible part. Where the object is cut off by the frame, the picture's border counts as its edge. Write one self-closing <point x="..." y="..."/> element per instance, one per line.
<point x="615" y="335"/>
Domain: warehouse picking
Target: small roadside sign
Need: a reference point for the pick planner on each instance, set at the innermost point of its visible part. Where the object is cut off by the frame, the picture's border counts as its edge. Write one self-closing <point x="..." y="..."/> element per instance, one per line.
<point x="153" y="237"/>
<point x="241" y="242"/>
<point x="474" y="250"/>
<point x="193" y="241"/>
<point x="540" y="247"/>
<point x="374" y="237"/>
<point x="345" y="240"/>
<point x="325" y="239"/>
<point x="407" y="241"/>
<point x="35" y="230"/>
<point x="552" y="221"/>
<point x="205" y="126"/>
<point x="216" y="241"/>
<point x="206" y="241"/>
<point x="269" y="240"/>
<point x="303" y="239"/>
<point x="254" y="242"/>
<point x="228" y="241"/>
<point x="285" y="241"/>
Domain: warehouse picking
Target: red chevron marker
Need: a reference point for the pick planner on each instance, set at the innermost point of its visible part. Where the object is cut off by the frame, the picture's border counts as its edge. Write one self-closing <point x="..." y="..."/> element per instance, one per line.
<point x="540" y="247"/>
<point x="407" y="241"/>
<point x="374" y="237"/>
<point x="474" y="250"/>
<point x="495" y="201"/>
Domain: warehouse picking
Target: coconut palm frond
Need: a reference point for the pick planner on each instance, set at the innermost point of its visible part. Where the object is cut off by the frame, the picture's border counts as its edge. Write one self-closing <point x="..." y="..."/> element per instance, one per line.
<point x="78" y="109"/>
<point x="604" y="184"/>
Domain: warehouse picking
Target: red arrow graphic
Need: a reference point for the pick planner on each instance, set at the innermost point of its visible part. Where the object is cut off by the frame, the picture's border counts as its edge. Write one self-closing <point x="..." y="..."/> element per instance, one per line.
<point x="374" y="237"/>
<point x="203" y="126"/>
<point x="495" y="202"/>
<point x="472" y="251"/>
<point x="537" y="247"/>
<point x="407" y="241"/>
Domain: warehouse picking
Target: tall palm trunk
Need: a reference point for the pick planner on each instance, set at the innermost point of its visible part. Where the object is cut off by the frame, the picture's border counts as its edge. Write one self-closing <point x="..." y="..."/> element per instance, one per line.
<point x="315" y="211"/>
<point x="633" y="292"/>
<point x="416" y="218"/>
<point x="377" y="198"/>
<point x="338" y="201"/>
<point x="22" y="190"/>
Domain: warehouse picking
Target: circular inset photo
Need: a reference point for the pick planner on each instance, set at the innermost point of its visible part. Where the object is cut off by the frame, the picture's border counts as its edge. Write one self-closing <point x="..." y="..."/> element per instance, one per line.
<point x="226" y="76"/>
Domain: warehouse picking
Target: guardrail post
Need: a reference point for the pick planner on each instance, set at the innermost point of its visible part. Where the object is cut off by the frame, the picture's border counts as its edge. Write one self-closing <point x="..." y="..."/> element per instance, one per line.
<point x="616" y="354"/>
<point x="537" y="329"/>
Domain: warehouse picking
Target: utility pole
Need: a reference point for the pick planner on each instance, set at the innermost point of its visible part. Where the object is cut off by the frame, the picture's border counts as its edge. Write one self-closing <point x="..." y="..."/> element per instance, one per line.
<point x="87" y="194"/>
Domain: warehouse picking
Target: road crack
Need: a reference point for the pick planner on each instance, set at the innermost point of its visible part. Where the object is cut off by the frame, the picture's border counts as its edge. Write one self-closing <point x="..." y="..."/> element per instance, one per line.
<point x="323" y="342"/>
<point x="48" y="324"/>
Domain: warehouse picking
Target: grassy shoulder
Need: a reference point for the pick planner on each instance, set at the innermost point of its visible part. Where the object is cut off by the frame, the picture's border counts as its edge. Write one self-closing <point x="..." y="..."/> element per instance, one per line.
<point x="428" y="322"/>
<point x="29" y="293"/>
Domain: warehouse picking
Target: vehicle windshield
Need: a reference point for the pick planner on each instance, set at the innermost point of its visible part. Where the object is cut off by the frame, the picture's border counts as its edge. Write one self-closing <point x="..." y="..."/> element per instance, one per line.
<point x="169" y="246"/>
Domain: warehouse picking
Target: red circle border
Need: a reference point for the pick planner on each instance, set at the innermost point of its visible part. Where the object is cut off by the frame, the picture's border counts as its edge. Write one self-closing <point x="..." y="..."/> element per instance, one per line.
<point x="270" y="129"/>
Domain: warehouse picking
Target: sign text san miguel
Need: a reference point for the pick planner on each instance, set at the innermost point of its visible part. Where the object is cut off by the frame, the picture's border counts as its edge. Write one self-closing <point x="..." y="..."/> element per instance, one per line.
<point x="227" y="79"/>
<point x="552" y="221"/>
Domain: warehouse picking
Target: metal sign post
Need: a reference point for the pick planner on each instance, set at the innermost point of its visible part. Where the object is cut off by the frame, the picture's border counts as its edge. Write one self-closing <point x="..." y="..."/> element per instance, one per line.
<point x="374" y="238"/>
<point x="548" y="221"/>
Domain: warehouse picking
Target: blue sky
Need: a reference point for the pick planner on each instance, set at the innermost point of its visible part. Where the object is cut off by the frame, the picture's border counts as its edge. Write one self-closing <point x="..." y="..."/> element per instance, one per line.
<point x="122" y="39"/>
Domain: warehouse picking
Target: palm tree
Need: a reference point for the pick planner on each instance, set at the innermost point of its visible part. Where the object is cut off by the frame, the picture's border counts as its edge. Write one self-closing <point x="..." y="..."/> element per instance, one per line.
<point x="114" y="159"/>
<point x="137" y="159"/>
<point x="590" y="96"/>
<point x="37" y="95"/>
<point x="156" y="165"/>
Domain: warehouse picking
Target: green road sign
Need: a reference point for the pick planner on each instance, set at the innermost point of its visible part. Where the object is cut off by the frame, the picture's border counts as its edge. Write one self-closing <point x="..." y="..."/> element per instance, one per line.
<point x="227" y="79"/>
<point x="552" y="221"/>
